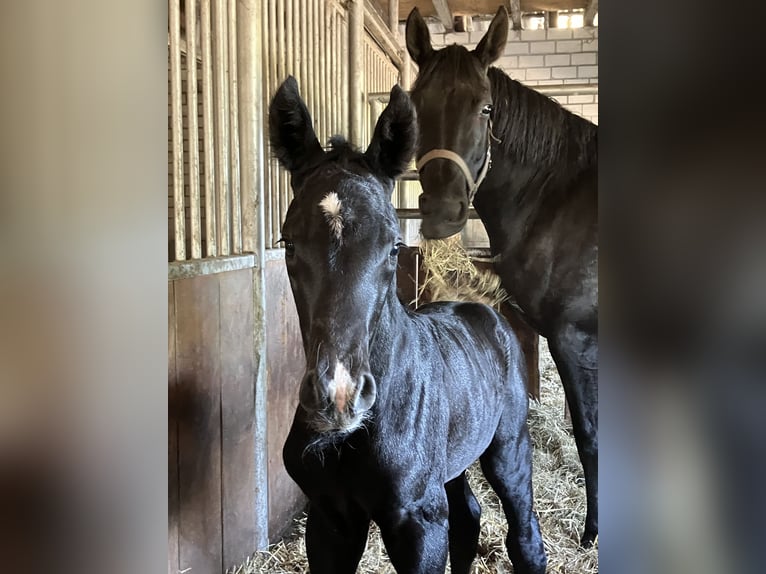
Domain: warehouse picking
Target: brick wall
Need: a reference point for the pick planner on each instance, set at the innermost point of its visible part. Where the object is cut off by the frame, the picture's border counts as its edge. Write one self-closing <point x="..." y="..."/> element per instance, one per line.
<point x="538" y="58"/>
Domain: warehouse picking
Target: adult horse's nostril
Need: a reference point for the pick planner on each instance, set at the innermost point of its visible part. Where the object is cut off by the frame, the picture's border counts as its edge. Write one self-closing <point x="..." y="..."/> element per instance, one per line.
<point x="368" y="390"/>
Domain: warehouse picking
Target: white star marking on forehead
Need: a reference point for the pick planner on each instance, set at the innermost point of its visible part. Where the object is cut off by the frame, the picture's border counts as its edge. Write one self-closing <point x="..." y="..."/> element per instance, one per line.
<point x="331" y="207"/>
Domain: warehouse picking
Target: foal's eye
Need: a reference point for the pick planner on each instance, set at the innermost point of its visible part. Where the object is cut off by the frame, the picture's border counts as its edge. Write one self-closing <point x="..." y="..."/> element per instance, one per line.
<point x="486" y="110"/>
<point x="289" y="247"/>
<point x="395" y="251"/>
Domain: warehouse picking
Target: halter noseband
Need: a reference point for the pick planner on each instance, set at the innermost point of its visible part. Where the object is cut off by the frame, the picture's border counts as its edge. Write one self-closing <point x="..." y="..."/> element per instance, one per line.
<point x="473" y="185"/>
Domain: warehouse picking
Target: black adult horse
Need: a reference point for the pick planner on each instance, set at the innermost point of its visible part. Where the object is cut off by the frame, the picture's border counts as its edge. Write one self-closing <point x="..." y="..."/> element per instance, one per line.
<point x="530" y="168"/>
<point x="395" y="404"/>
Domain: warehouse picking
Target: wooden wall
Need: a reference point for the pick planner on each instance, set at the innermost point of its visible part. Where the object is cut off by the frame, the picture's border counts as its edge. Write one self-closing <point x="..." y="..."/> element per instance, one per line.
<point x="211" y="375"/>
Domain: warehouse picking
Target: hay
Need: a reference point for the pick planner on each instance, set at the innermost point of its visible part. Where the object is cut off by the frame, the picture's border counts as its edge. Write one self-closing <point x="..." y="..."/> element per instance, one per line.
<point x="557" y="475"/>
<point x="450" y="274"/>
<point x="559" y="502"/>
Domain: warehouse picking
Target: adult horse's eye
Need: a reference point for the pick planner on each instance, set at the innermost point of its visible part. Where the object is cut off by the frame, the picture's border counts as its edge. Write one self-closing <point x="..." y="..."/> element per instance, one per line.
<point x="486" y="110"/>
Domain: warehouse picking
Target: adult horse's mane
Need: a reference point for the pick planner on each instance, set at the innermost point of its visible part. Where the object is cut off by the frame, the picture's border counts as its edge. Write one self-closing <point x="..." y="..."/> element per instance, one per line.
<point x="537" y="130"/>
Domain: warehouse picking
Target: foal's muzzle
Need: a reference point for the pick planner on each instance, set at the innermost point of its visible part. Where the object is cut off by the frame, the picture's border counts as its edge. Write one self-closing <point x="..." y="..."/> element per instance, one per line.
<point x="336" y="400"/>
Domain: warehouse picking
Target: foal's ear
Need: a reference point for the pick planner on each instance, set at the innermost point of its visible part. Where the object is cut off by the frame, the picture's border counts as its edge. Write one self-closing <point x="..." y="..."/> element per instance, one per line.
<point x="491" y="46"/>
<point x="292" y="136"/>
<point x="395" y="137"/>
<point x="418" y="37"/>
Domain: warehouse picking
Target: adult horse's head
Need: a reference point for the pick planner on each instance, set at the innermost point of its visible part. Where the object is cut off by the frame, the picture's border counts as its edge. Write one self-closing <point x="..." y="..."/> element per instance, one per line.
<point x="341" y="239"/>
<point x="454" y="106"/>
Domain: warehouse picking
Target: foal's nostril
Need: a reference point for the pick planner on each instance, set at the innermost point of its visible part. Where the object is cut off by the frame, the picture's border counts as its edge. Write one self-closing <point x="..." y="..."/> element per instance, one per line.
<point x="368" y="390"/>
<point x="308" y="395"/>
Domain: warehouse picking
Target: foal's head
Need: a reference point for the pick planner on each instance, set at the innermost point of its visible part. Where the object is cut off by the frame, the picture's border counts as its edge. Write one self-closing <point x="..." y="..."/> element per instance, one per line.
<point x="341" y="239"/>
<point x="454" y="106"/>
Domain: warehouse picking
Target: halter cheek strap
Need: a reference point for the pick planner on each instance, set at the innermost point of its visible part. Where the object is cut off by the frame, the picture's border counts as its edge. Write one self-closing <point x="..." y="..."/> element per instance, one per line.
<point x="473" y="185"/>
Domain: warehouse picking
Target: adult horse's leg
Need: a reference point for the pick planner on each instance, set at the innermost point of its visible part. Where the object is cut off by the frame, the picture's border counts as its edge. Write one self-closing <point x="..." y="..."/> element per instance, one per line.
<point x="334" y="540"/>
<point x="416" y="534"/>
<point x="507" y="465"/>
<point x="575" y="353"/>
<point x="464" y="524"/>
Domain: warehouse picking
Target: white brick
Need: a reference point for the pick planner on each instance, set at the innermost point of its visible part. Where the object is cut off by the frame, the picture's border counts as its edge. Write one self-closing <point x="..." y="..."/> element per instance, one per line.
<point x="574" y="108"/>
<point x="456" y="38"/>
<point x="567" y="72"/>
<point x="436" y="27"/>
<point x="559" y="33"/>
<point x="595" y="98"/>
<point x="518" y="75"/>
<point x="590" y="109"/>
<point x="531" y="83"/>
<point x="587" y="71"/>
<point x="512" y="48"/>
<point x="542" y="47"/>
<point x="590" y="45"/>
<point x="548" y="83"/>
<point x="513" y="35"/>
<point x="563" y="100"/>
<point x="580" y="99"/>
<point x="507" y="62"/>
<point x="437" y="40"/>
<point x="574" y="81"/>
<point x="477" y="35"/>
<point x="586" y="59"/>
<point x="569" y="46"/>
<point x="532" y="35"/>
<point x="586" y="33"/>
<point x="557" y="60"/>
<point x="538" y="73"/>
<point x="531" y="61"/>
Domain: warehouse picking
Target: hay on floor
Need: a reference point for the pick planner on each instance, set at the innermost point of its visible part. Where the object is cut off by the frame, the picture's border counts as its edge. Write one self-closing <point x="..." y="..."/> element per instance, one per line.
<point x="558" y="483"/>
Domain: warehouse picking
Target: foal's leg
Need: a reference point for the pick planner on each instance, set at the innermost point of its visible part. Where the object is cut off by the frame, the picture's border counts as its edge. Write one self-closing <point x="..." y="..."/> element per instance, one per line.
<point x="507" y="465"/>
<point x="464" y="524"/>
<point x="576" y="356"/>
<point x="335" y="541"/>
<point x="416" y="534"/>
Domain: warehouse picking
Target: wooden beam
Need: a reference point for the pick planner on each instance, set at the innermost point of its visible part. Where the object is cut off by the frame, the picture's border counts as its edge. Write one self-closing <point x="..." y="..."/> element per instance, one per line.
<point x="393" y="18"/>
<point x="590" y="13"/>
<point x="444" y="12"/>
<point x="514" y="9"/>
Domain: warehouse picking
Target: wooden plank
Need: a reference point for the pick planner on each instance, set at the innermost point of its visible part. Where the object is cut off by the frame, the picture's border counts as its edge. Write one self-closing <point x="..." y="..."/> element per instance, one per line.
<point x="192" y="120"/>
<point x="445" y="14"/>
<point x="221" y="89"/>
<point x="173" y="507"/>
<point x="234" y="182"/>
<point x="174" y="22"/>
<point x="514" y="9"/>
<point x="207" y="129"/>
<point x="237" y="416"/>
<point x="356" y="72"/>
<point x="590" y="13"/>
<point x="286" y="365"/>
<point x="198" y="410"/>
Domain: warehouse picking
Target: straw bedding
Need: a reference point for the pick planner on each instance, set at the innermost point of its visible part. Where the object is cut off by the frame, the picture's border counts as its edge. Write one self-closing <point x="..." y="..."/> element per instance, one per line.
<point x="557" y="476"/>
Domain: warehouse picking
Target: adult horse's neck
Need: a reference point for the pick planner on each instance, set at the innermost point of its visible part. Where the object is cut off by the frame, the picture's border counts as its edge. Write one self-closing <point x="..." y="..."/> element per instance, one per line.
<point x="544" y="165"/>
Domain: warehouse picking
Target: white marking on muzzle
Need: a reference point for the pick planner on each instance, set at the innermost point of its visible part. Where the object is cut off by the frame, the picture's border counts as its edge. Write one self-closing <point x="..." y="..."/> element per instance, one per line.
<point x="341" y="387"/>
<point x="331" y="207"/>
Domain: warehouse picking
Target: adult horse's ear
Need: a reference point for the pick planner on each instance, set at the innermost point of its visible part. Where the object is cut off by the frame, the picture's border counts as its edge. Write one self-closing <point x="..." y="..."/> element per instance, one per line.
<point x="418" y="37"/>
<point x="292" y="136"/>
<point x="491" y="46"/>
<point x="395" y="137"/>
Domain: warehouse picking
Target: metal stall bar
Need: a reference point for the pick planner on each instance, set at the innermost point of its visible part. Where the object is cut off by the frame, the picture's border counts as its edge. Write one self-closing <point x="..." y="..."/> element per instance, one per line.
<point x="220" y="87"/>
<point x="192" y="111"/>
<point x="177" y="127"/>
<point x="251" y="124"/>
<point x="236" y="206"/>
<point x="211" y="249"/>
<point x="356" y="70"/>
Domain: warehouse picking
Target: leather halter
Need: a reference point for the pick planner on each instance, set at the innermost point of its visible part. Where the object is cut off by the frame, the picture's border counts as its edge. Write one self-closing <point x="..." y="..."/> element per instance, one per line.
<point x="473" y="185"/>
